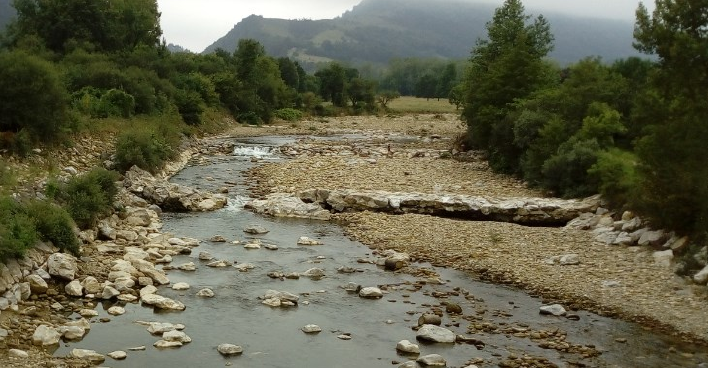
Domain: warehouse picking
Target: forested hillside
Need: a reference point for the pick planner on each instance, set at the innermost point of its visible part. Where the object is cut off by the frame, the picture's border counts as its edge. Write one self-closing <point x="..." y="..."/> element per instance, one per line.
<point x="375" y="31"/>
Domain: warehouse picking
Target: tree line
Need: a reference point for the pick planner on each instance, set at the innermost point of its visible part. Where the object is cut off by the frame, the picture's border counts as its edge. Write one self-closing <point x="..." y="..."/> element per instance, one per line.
<point x="634" y="130"/>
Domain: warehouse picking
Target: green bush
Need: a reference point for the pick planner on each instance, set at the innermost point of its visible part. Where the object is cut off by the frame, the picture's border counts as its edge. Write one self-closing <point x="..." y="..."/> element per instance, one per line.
<point x="17" y="230"/>
<point x="54" y="224"/>
<point x="288" y="114"/>
<point x="617" y="176"/>
<point x="566" y="173"/>
<point x="189" y="104"/>
<point x="145" y="149"/>
<point x="87" y="197"/>
<point x="250" y="118"/>
<point x="116" y="103"/>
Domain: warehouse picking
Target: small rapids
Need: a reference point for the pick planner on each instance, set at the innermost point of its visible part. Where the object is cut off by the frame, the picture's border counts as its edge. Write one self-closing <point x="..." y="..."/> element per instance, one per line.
<point x="256" y="151"/>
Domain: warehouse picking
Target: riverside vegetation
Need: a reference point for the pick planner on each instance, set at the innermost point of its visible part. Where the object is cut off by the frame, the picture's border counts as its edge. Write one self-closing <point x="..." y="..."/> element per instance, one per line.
<point x="634" y="130"/>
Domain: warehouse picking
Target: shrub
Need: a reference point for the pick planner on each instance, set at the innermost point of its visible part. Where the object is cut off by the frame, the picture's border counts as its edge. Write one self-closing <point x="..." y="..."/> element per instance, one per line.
<point x="250" y="118"/>
<point x="189" y="104"/>
<point x="566" y="173"/>
<point x="616" y="174"/>
<point x="17" y="231"/>
<point x="53" y="223"/>
<point x="288" y="114"/>
<point x="87" y="197"/>
<point x="145" y="149"/>
<point x="116" y="103"/>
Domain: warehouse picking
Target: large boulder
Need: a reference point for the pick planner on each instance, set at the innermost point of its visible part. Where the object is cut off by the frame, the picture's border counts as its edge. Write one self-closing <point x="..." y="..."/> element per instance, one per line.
<point x="287" y="205"/>
<point x="169" y="196"/>
<point x="62" y="265"/>
<point x="434" y="333"/>
<point x="45" y="335"/>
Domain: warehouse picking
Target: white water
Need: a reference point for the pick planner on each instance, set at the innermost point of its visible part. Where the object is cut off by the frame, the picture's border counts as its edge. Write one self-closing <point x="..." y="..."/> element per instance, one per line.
<point x="258" y="152"/>
<point x="236" y="203"/>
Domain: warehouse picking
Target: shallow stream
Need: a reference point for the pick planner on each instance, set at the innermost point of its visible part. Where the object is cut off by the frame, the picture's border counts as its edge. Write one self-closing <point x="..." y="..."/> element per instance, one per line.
<point x="271" y="337"/>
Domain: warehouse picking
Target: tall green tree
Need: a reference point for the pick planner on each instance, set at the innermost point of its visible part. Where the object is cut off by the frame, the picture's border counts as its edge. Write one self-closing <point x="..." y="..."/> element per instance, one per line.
<point x="673" y="153"/>
<point x="507" y="66"/>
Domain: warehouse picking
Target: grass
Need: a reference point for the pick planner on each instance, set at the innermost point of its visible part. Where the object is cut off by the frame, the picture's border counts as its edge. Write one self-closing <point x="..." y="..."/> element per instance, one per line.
<point x="407" y="104"/>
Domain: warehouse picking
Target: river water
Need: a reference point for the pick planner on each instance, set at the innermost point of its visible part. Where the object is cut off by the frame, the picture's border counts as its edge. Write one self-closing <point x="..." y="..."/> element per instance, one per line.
<point x="271" y="337"/>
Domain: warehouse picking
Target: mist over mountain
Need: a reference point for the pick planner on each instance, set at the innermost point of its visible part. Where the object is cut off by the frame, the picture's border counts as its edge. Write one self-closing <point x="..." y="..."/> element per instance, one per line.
<point x="376" y="31"/>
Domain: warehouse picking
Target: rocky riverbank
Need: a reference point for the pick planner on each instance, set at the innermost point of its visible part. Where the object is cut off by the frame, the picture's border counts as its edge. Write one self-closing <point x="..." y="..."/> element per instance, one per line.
<point x="579" y="265"/>
<point x="608" y="275"/>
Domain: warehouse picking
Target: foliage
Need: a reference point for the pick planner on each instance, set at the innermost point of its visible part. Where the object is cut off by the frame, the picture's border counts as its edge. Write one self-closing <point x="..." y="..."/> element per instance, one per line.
<point x="616" y="172"/>
<point x="673" y="153"/>
<point x="54" y="224"/>
<point x="145" y="148"/>
<point x="505" y="67"/>
<point x="384" y="97"/>
<point x="33" y="96"/>
<point x="116" y="103"/>
<point x="17" y="231"/>
<point x="86" y="197"/>
<point x="288" y="114"/>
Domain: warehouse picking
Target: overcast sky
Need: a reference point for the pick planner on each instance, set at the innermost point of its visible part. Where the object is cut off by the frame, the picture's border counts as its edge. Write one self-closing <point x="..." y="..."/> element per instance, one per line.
<point x="197" y="24"/>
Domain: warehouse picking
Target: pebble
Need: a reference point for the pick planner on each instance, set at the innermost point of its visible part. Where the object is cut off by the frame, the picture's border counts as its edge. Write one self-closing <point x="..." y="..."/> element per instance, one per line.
<point x="229" y="349"/>
<point x="311" y="329"/>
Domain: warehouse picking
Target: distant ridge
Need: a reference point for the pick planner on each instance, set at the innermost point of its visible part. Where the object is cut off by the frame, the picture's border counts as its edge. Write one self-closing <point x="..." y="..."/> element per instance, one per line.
<point x="376" y="31"/>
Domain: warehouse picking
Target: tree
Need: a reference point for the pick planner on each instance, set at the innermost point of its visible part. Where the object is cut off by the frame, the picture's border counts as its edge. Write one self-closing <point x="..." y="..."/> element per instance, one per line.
<point x="33" y="96"/>
<point x="332" y="84"/>
<point x="384" y="97"/>
<point x="426" y="86"/>
<point x="505" y="67"/>
<point x="673" y="154"/>
<point x="446" y="81"/>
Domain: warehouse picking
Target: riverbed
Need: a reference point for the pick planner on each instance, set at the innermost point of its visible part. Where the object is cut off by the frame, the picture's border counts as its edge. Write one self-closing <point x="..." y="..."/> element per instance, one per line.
<point x="272" y="337"/>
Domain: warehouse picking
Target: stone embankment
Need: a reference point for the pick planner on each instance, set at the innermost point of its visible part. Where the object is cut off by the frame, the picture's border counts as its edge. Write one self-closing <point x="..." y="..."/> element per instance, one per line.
<point x="525" y="211"/>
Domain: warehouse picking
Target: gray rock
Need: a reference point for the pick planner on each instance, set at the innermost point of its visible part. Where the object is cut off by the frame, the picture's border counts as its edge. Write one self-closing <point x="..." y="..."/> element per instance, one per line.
<point x="406" y="346"/>
<point x="161" y="302"/>
<point x="88" y="355"/>
<point x="429" y="319"/>
<point x="371" y="292"/>
<point x="91" y="285"/>
<point x="435" y="334"/>
<point x="44" y="335"/>
<point x="17" y="353"/>
<point x="569" y="259"/>
<point x="255" y="230"/>
<point x="162" y="344"/>
<point x="304" y="240"/>
<point x="62" y="265"/>
<point x="117" y="355"/>
<point x="663" y="258"/>
<point x="175" y="335"/>
<point x="287" y="205"/>
<point x="205" y="293"/>
<point x="311" y="329"/>
<point x="37" y="284"/>
<point x="409" y="364"/>
<point x="229" y="349"/>
<point x="109" y="292"/>
<point x="314" y="273"/>
<point x="432" y="360"/>
<point x="181" y="286"/>
<point x="652" y="238"/>
<point x="553" y="309"/>
<point x="205" y="256"/>
<point x="72" y="332"/>
<point x="74" y="288"/>
<point x="116" y="311"/>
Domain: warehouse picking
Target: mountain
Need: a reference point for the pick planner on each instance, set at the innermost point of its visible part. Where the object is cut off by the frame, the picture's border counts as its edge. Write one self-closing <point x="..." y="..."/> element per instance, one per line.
<point x="376" y="31"/>
<point x="7" y="12"/>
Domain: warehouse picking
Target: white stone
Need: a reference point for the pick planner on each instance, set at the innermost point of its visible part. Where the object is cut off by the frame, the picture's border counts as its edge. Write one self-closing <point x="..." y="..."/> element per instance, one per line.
<point x="90" y="355"/>
<point x="88" y="313"/>
<point x="118" y="355"/>
<point x="435" y="333"/>
<point x="181" y="286"/>
<point x="72" y="332"/>
<point x="109" y="292"/>
<point x="74" y="288"/>
<point x="553" y="309"/>
<point x="116" y="311"/>
<point x="91" y="285"/>
<point x="189" y="266"/>
<point x="162" y="344"/>
<point x="663" y="258"/>
<point x="370" y="292"/>
<point x="314" y="273"/>
<point x="161" y="302"/>
<point x="37" y="284"/>
<point x="150" y="289"/>
<point x="311" y="329"/>
<point x="304" y="240"/>
<point x="176" y="335"/>
<point x="205" y="293"/>
<point x="701" y="276"/>
<point x="432" y="360"/>
<point x="159" y="328"/>
<point x="17" y="353"/>
<point x="229" y="349"/>
<point x="569" y="259"/>
<point x="62" y="265"/>
<point x="406" y="346"/>
<point x="45" y="335"/>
